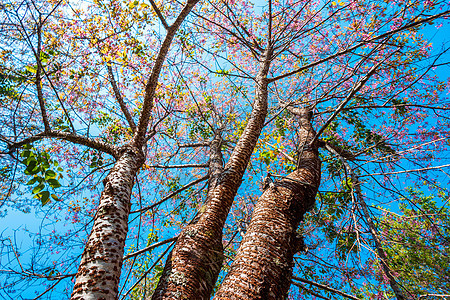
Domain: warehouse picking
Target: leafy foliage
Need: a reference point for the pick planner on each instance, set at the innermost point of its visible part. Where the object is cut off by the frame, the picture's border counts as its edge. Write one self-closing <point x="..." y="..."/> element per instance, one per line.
<point x="417" y="242"/>
<point x="45" y="173"/>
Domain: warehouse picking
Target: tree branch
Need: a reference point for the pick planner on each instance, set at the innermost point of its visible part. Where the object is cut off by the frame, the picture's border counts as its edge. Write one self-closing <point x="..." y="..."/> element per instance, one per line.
<point x="70" y="137"/>
<point x="350" y="96"/>
<point x="171" y="194"/>
<point x="159" y="14"/>
<point x="408" y="171"/>
<point x="119" y="99"/>
<point x="381" y="36"/>
<point x="152" y="246"/>
<point x="327" y="288"/>
<point x="179" y="166"/>
<point x="309" y="291"/>
<point x="356" y="188"/>
<point x="150" y="88"/>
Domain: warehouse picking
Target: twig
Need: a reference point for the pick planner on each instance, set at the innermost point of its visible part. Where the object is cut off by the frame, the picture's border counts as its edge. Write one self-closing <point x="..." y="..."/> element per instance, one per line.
<point x="327" y="288"/>
<point x="152" y="246"/>
<point x="172" y="194"/>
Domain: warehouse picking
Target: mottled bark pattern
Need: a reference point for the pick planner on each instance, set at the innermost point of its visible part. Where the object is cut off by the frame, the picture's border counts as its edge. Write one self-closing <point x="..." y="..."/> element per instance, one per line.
<point x="195" y="262"/>
<point x="99" y="272"/>
<point x="263" y="265"/>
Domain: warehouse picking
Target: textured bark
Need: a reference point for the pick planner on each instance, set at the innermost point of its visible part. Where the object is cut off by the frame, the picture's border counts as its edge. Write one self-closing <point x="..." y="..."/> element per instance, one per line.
<point x="195" y="262"/>
<point x="263" y="265"/>
<point x="101" y="262"/>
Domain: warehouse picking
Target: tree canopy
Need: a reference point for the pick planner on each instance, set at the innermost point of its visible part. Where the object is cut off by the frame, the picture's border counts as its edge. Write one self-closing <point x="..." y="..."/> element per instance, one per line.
<point x="224" y="149"/>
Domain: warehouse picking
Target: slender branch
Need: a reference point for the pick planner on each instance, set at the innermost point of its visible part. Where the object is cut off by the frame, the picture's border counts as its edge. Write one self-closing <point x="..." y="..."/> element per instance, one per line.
<point x="172" y="194"/>
<point x="71" y="137"/>
<point x="327" y="288"/>
<point x="48" y="289"/>
<point x="152" y="246"/>
<point x="179" y="166"/>
<point x="408" y="171"/>
<point x="160" y="16"/>
<point x="381" y="36"/>
<point x="309" y="291"/>
<point x="389" y="106"/>
<point x="434" y="295"/>
<point x="356" y="188"/>
<point x="193" y="145"/>
<point x="40" y="69"/>
<point x="269" y="42"/>
<point x="119" y="99"/>
<point x="148" y="271"/>
<point x="39" y="80"/>
<point x="150" y="88"/>
<point x="350" y="96"/>
<point x="404" y="151"/>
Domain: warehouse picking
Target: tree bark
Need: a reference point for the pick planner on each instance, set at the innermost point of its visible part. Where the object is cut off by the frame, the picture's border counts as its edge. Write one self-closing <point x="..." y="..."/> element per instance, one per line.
<point x="194" y="264"/>
<point x="101" y="262"/>
<point x="263" y="265"/>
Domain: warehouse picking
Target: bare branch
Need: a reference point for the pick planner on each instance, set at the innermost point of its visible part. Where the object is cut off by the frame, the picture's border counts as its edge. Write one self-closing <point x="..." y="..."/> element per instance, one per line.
<point x="381" y="36"/>
<point x="172" y="194"/>
<point x="356" y="189"/>
<point x="350" y="96"/>
<point x="434" y="295"/>
<point x="119" y="99"/>
<point x="327" y="288"/>
<point x="152" y="246"/>
<point x="70" y="137"/>
<point x="309" y="291"/>
<point x="408" y="171"/>
<point x="160" y="16"/>
<point x="148" y="271"/>
<point x="180" y="166"/>
<point x="150" y="88"/>
<point x="193" y="145"/>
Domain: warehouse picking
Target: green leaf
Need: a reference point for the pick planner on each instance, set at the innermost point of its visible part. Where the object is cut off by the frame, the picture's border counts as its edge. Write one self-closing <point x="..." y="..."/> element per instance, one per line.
<point x="54" y="183"/>
<point x="30" y="159"/>
<point x="32" y="181"/>
<point x="31" y="69"/>
<point x="50" y="174"/>
<point x="25" y="153"/>
<point x="44" y="197"/>
<point x="45" y="165"/>
<point x="55" y="197"/>
<point x="32" y="168"/>
<point x="38" y="188"/>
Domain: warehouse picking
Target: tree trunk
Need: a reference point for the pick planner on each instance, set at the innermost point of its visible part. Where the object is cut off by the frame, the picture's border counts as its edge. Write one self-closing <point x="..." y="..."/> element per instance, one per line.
<point x="101" y="262"/>
<point x="263" y="265"/>
<point x="194" y="264"/>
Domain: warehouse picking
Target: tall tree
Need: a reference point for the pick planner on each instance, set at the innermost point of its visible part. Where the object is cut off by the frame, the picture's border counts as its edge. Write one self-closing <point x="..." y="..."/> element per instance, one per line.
<point x="101" y="262"/>
<point x="120" y="110"/>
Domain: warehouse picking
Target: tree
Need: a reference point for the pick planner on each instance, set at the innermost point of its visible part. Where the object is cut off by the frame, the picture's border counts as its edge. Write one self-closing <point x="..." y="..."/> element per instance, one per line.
<point x="99" y="272"/>
<point x="336" y="82"/>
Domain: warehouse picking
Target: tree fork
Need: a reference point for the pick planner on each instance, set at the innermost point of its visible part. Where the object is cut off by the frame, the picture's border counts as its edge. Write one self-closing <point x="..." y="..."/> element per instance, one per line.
<point x="194" y="264"/>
